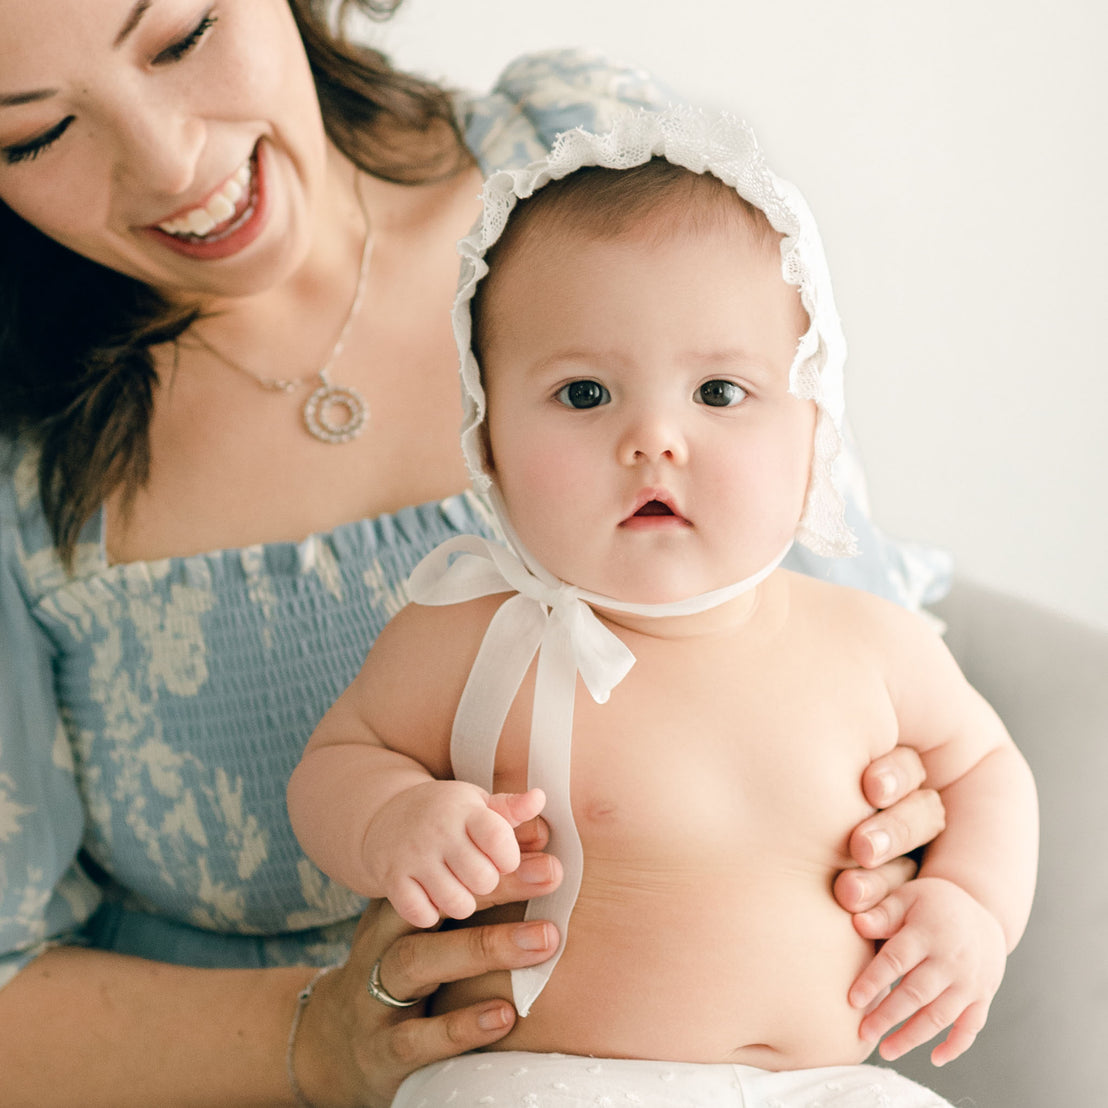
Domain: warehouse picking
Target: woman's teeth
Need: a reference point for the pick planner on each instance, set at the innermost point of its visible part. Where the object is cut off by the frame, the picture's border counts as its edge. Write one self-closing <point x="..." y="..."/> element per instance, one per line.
<point x="219" y="208"/>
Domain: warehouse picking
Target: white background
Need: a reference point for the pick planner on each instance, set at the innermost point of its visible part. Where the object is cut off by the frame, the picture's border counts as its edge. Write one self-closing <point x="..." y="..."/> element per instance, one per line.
<point x="954" y="153"/>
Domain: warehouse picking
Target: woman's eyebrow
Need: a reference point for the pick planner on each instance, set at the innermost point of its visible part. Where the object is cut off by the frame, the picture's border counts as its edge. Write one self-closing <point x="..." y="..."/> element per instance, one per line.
<point x="134" y="17"/>
<point x="11" y="99"/>
<point x="131" y="22"/>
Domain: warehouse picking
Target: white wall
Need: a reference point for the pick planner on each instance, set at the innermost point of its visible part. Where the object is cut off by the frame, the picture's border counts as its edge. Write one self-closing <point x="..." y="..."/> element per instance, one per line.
<point x="954" y="154"/>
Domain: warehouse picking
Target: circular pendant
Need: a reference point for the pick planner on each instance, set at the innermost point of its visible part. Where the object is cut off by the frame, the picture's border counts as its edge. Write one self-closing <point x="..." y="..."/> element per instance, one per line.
<point x="328" y="401"/>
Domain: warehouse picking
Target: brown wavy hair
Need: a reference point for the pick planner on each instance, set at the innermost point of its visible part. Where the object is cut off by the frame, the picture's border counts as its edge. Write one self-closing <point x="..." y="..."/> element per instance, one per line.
<point x="76" y="373"/>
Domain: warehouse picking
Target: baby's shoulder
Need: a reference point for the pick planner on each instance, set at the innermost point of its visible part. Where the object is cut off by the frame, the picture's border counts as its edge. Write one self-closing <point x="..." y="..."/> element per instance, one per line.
<point x="414" y="674"/>
<point x="832" y="608"/>
<point x="432" y="630"/>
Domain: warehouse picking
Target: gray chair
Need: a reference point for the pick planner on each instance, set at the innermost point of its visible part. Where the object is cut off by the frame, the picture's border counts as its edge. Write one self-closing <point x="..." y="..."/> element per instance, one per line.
<point x="1046" y="1042"/>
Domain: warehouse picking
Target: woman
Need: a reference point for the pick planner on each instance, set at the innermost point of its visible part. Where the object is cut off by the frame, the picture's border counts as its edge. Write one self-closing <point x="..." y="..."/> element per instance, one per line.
<point x="228" y="389"/>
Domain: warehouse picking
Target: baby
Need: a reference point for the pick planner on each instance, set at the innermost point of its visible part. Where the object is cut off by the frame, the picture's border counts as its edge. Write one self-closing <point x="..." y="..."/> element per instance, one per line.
<point x="654" y="405"/>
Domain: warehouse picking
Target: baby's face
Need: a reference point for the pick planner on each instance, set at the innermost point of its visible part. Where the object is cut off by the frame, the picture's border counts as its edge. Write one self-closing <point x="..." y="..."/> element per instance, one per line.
<point x="640" y="426"/>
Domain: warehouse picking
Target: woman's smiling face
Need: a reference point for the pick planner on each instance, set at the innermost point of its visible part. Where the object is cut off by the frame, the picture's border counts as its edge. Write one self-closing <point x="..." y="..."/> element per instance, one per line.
<point x="177" y="141"/>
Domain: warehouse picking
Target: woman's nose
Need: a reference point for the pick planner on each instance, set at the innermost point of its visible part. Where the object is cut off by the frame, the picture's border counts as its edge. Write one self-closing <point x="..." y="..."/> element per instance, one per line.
<point x="160" y="148"/>
<point x="653" y="435"/>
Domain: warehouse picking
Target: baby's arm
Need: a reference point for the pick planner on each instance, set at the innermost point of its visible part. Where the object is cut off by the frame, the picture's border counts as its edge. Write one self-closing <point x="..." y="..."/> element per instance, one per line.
<point x="371" y="800"/>
<point x="947" y="934"/>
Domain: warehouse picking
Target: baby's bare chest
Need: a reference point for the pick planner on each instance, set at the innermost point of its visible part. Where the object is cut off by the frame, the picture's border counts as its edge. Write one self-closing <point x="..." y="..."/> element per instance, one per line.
<point x="710" y="747"/>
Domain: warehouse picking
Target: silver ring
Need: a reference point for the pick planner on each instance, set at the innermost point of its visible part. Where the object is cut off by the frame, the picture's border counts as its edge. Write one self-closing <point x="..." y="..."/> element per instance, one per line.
<point x="379" y="992"/>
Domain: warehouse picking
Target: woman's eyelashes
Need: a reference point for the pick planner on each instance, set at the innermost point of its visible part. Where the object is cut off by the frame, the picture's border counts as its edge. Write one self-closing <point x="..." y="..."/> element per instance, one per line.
<point x="175" y="52"/>
<point x="32" y="148"/>
<point x="184" y="46"/>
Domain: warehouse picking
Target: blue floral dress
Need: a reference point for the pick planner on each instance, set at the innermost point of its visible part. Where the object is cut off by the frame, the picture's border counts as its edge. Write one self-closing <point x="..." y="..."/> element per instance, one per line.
<point x="152" y="712"/>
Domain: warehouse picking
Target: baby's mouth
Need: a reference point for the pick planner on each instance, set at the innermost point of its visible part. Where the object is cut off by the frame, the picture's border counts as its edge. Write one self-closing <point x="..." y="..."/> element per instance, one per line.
<point x="654" y="508"/>
<point x="224" y="211"/>
<point x="652" y="505"/>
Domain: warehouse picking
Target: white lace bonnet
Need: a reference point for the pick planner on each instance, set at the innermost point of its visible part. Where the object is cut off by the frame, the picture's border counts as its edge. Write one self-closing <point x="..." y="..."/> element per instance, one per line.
<point x="726" y="147"/>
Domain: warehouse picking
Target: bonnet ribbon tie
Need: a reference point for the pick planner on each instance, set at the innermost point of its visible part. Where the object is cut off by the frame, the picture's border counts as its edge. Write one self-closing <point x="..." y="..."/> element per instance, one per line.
<point x="556" y="621"/>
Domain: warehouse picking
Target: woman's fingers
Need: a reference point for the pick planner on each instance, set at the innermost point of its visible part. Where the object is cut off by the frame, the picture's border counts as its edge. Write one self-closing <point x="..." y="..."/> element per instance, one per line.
<point x="892" y="776"/>
<point x="351" y="1048"/>
<point x="416" y="964"/>
<point x="533" y="835"/>
<point x="910" y="816"/>
<point x="909" y="823"/>
<point x="859" y="890"/>
<point x="536" y="875"/>
<point x="419" y="1042"/>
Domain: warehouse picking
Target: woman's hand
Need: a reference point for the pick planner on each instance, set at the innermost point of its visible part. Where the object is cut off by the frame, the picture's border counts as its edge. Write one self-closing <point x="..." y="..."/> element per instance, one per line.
<point x="352" y="1050"/>
<point x="909" y="817"/>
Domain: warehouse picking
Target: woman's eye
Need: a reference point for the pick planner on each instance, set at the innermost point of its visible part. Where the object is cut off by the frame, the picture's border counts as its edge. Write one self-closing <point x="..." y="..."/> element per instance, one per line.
<point x="583" y="394"/>
<point x="185" y="45"/>
<point x="720" y="394"/>
<point x="28" y="151"/>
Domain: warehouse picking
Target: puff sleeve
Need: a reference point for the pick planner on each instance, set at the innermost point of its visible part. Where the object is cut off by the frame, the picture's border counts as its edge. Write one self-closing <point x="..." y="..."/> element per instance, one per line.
<point x="44" y="896"/>
<point x="540" y="95"/>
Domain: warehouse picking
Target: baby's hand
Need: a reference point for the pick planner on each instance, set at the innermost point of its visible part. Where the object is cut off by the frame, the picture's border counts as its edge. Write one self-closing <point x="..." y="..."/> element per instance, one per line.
<point x="949" y="953"/>
<point x="435" y="846"/>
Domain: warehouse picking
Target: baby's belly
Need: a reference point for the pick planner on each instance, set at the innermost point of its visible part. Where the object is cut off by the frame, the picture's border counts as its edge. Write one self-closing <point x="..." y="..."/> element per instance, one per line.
<point x="749" y="967"/>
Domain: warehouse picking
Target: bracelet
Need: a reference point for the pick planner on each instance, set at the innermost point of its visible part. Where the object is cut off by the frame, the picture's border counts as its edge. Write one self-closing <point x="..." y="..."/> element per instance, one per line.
<point x="302" y="999"/>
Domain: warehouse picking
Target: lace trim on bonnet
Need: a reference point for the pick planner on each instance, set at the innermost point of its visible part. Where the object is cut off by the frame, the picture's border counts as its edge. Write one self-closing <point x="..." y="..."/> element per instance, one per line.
<point x="726" y="147"/>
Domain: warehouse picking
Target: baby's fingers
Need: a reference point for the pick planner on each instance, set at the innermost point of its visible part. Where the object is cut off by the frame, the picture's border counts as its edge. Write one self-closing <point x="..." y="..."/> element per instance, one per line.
<point x="921" y="984"/>
<point x="477" y="871"/>
<point x="895" y="958"/>
<point x="491" y="829"/>
<point x="885" y="919"/>
<point x="928" y="1021"/>
<point x="966" y="1028"/>
<point x="413" y="904"/>
<point x="518" y="808"/>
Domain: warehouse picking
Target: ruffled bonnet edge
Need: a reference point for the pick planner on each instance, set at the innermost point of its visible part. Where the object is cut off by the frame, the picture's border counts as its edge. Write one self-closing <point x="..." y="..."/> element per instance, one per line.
<point x="725" y="146"/>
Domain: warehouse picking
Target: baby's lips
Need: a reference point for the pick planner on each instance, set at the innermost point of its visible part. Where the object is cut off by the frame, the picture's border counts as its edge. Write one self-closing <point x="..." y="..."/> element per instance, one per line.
<point x="655" y="502"/>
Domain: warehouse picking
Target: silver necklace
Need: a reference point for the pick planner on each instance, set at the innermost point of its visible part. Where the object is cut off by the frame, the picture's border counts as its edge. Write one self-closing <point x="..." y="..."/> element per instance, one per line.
<point x="327" y="400"/>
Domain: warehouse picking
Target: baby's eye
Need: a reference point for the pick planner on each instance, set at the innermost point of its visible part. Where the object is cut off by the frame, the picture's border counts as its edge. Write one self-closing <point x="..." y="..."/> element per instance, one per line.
<point x="583" y="394"/>
<point x="720" y="394"/>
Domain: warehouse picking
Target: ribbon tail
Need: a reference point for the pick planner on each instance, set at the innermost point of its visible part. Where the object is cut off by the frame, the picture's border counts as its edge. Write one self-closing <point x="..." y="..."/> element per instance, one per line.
<point x="509" y="645"/>
<point x="549" y="770"/>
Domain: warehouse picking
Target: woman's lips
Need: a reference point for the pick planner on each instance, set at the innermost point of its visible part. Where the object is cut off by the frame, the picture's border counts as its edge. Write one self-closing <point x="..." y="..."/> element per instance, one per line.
<point x="227" y="222"/>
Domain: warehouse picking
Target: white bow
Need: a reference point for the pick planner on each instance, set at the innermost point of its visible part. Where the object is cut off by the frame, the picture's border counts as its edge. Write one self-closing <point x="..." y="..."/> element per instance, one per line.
<point x="486" y="568"/>
<point x="556" y="621"/>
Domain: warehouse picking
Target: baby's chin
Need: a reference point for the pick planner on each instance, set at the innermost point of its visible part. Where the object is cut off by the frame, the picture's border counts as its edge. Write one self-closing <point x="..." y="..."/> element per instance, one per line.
<point x="652" y="591"/>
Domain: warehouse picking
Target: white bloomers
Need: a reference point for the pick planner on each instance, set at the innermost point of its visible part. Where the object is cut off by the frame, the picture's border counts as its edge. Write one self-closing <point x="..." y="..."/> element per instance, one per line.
<point x="514" y="1079"/>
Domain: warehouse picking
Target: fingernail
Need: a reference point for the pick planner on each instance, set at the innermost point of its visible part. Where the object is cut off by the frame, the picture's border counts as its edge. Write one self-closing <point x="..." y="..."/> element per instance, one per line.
<point x="880" y="842"/>
<point x="494" y="1018"/>
<point x="864" y="886"/>
<point x="536" y="871"/>
<point x="534" y="936"/>
<point x="886" y="785"/>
